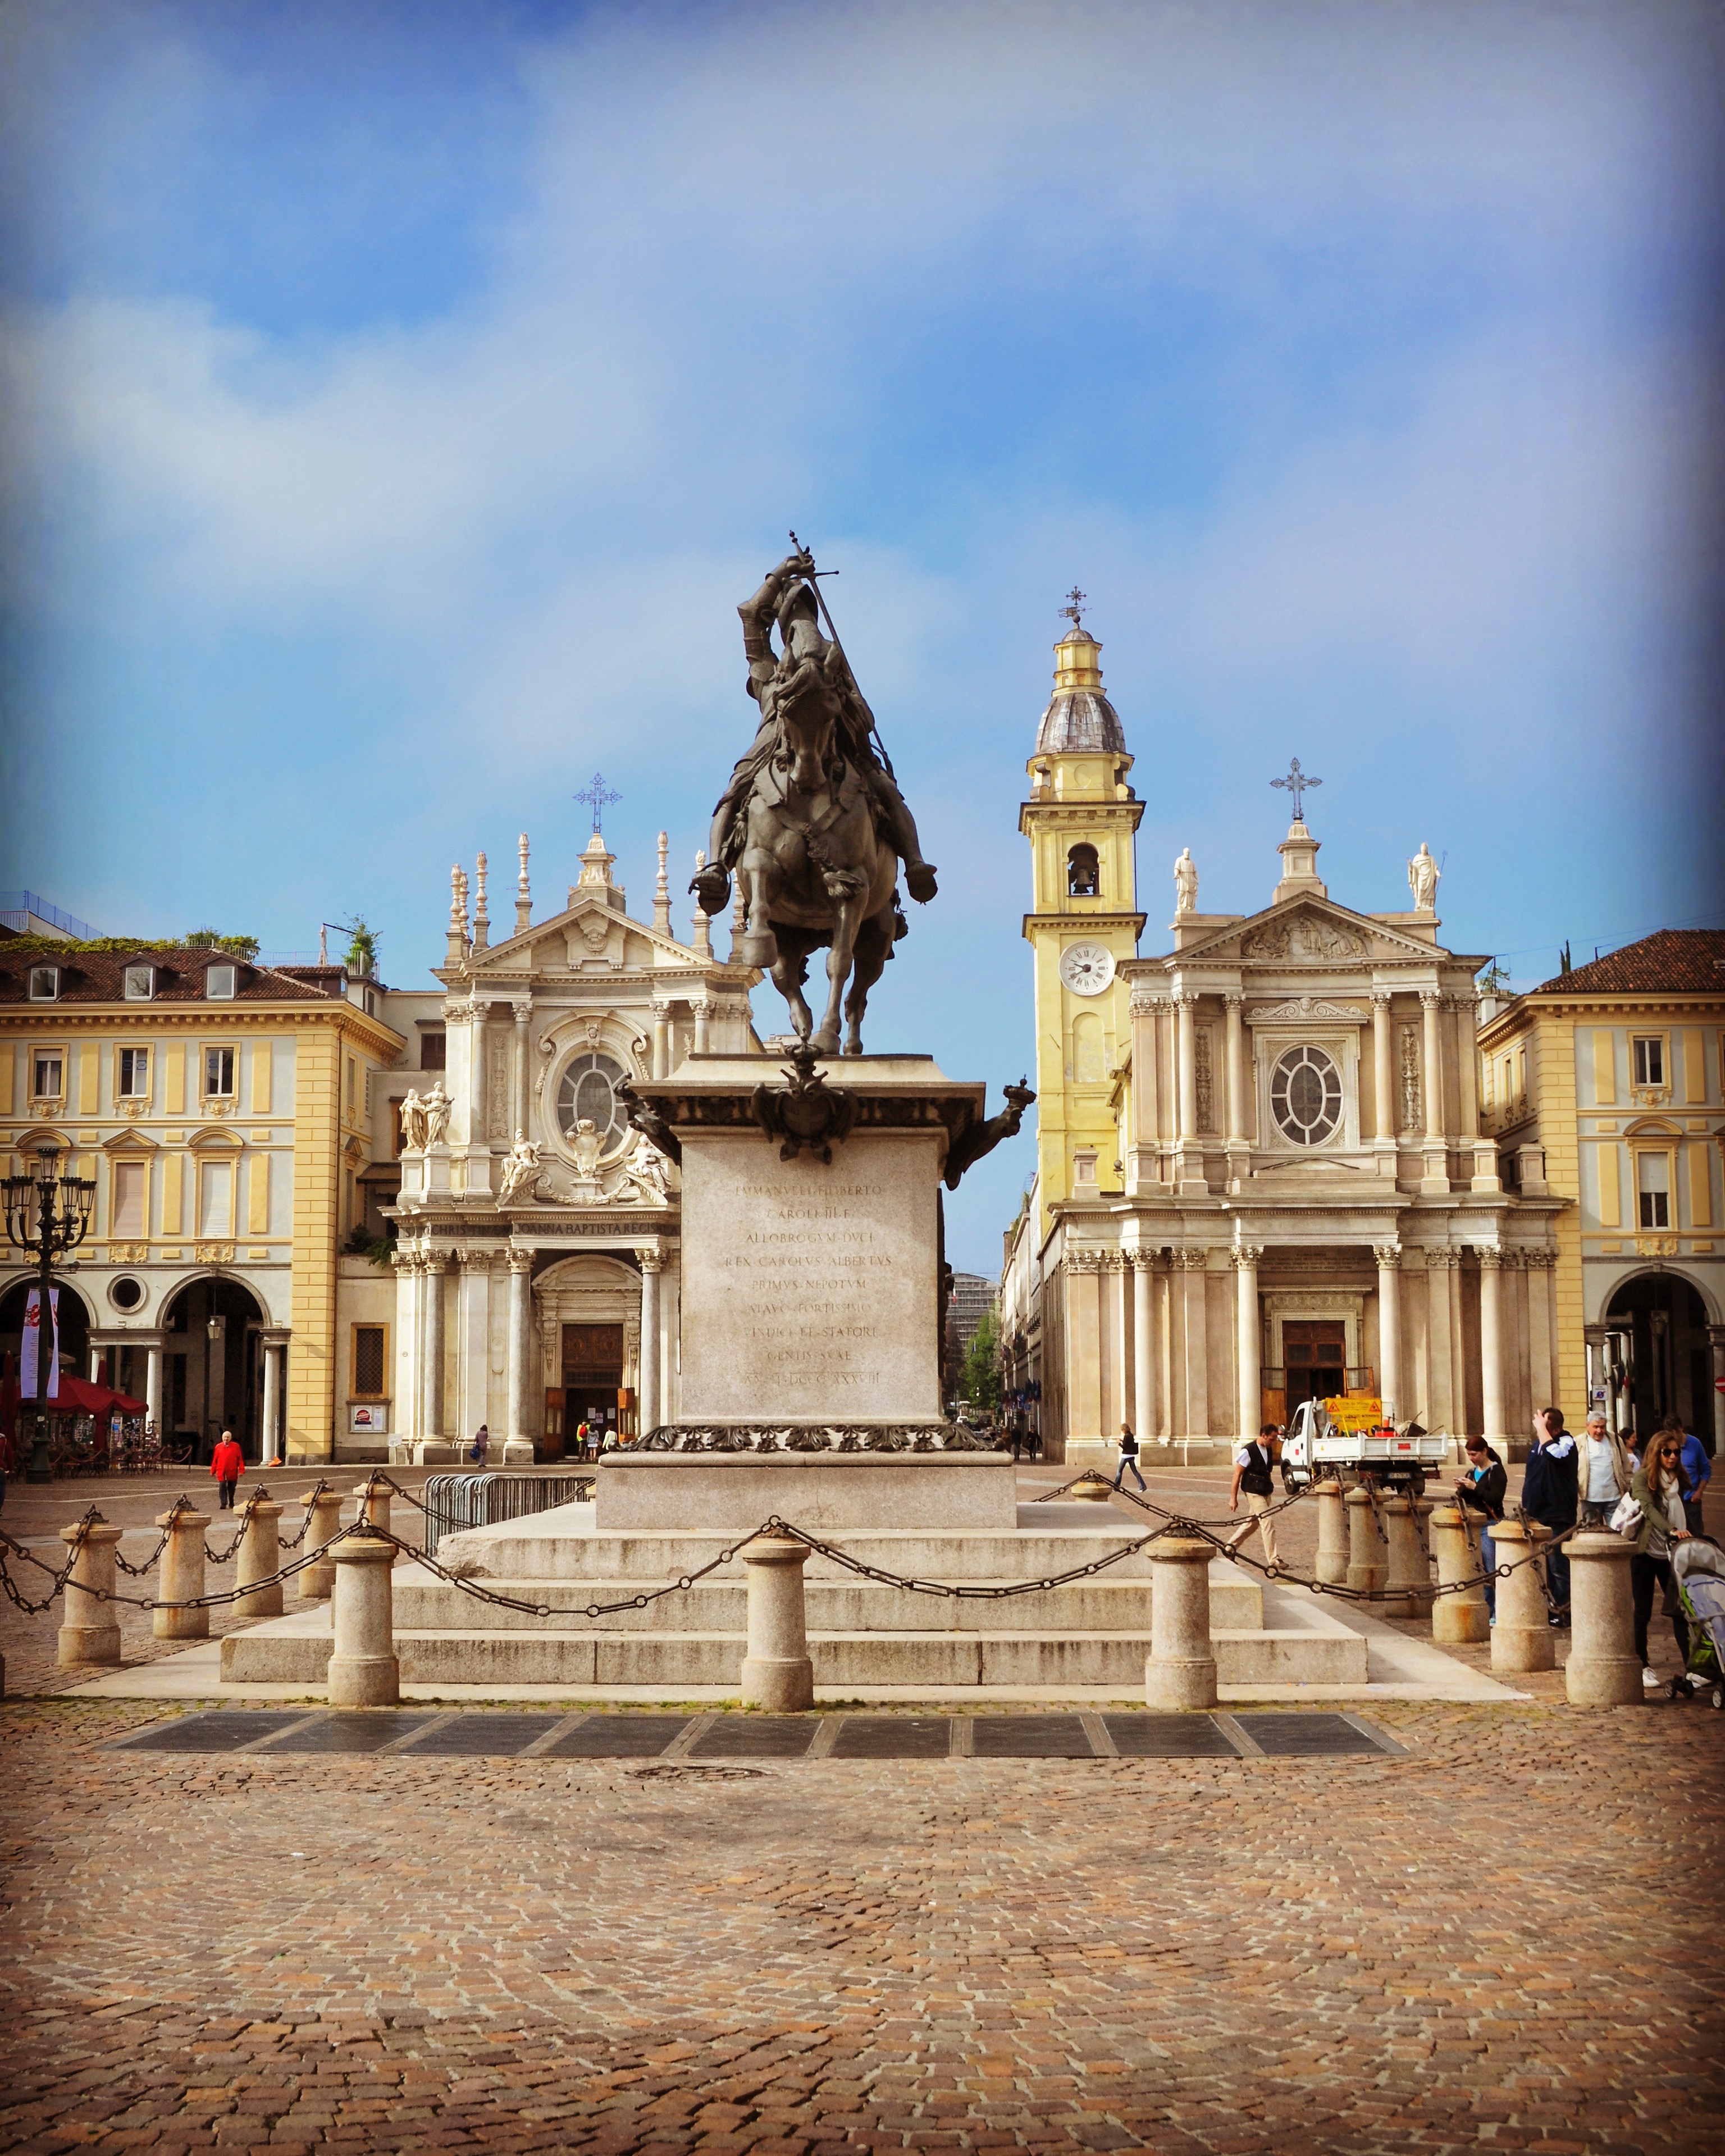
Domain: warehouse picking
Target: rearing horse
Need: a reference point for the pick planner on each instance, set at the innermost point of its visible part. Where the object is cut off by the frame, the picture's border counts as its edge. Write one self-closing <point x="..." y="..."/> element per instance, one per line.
<point x="815" y="867"/>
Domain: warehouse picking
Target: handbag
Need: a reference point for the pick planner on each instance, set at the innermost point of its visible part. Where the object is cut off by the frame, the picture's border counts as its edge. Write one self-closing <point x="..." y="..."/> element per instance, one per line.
<point x="1627" y="1520"/>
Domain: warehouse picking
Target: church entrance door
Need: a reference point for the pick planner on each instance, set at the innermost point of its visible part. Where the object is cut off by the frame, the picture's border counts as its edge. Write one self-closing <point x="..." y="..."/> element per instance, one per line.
<point x="592" y="1377"/>
<point x="1315" y="1354"/>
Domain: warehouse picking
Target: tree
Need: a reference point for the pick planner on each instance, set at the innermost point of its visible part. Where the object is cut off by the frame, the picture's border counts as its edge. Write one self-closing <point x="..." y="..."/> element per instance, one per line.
<point x="362" y="947"/>
<point x="211" y="939"/>
<point x="980" y="1379"/>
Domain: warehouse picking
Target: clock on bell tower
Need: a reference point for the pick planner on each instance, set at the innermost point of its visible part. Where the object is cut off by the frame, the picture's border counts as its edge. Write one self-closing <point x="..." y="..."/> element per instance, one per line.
<point x="1080" y="820"/>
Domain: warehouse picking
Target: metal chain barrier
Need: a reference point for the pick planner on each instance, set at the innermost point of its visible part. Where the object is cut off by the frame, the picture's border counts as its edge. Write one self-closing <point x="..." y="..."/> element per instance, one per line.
<point x="293" y="1542"/>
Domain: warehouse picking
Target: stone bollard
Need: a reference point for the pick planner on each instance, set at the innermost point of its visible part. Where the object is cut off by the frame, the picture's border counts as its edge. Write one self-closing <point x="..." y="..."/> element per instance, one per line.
<point x="1604" y="1668"/>
<point x="1424" y="1507"/>
<point x="373" y="1495"/>
<point x="1522" y="1639"/>
<point x="316" y="1580"/>
<point x="776" y="1672"/>
<point x="1407" y="1588"/>
<point x="1181" y="1672"/>
<point x="90" y="1633"/>
<point x="1332" y="1534"/>
<point x="363" y="1671"/>
<point x="1457" y="1619"/>
<point x="1368" y="1559"/>
<point x="182" y="1576"/>
<point x="260" y="1555"/>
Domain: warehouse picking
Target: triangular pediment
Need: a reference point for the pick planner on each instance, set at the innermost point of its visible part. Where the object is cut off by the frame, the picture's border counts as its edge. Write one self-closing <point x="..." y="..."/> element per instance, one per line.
<point x="1313" y="931"/>
<point x="590" y="931"/>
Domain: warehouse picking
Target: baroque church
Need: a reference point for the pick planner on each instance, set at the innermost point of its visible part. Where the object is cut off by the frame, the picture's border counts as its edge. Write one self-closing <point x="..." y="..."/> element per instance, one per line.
<point x="1261" y="1171"/>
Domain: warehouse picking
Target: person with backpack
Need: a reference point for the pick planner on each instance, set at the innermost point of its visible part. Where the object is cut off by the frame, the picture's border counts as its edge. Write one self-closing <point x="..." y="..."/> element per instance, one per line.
<point x="1480" y="1495"/>
<point x="1128" y="1456"/>
<point x="227" y="1464"/>
<point x="1253" y="1472"/>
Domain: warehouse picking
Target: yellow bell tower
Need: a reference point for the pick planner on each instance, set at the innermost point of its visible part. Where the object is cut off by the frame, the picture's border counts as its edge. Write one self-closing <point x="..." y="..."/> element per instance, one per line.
<point x="1080" y="820"/>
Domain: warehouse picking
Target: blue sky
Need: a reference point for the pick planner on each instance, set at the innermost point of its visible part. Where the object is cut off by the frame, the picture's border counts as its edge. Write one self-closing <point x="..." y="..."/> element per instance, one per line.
<point x="397" y="400"/>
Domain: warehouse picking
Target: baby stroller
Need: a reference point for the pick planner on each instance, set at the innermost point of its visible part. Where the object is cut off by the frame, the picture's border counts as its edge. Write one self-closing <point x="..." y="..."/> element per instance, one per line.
<point x="1698" y="1567"/>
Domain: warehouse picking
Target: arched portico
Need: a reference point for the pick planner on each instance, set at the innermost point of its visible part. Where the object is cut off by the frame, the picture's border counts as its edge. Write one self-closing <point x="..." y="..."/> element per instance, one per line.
<point x="1660" y="1348"/>
<point x="212" y="1374"/>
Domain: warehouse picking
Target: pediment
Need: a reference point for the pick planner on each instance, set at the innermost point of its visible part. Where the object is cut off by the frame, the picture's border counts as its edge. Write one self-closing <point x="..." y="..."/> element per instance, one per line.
<point x="1308" y="931"/>
<point x="215" y="1139"/>
<point x="130" y="1142"/>
<point x="591" y="933"/>
<point x="1304" y="1010"/>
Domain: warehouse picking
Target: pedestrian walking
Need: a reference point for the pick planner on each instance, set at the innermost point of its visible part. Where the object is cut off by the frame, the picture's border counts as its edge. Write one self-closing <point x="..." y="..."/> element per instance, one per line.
<point x="1479" y="1493"/>
<point x="1253" y="1472"/>
<point x="481" y="1445"/>
<point x="1549" y="1495"/>
<point x="1697" y="1470"/>
<point x="1655" y="1488"/>
<point x="1603" y="1474"/>
<point x="227" y="1464"/>
<point x="1128" y="1456"/>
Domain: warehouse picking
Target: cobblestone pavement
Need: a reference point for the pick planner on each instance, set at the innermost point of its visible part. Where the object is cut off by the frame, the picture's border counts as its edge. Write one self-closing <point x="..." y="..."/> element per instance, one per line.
<point x="1509" y="1939"/>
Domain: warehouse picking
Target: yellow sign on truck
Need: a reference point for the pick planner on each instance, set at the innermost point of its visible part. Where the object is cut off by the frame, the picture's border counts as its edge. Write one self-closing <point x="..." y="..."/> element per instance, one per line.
<point x="1357" y="1411"/>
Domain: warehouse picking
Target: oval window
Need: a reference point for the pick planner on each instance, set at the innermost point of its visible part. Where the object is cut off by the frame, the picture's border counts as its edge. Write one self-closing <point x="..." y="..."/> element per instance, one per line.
<point x="588" y="1093"/>
<point x="125" y="1293"/>
<point x="1305" y="1097"/>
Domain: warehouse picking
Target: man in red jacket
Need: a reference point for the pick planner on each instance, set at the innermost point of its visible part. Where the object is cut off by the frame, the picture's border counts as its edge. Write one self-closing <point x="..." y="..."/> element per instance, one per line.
<point x="228" y="1463"/>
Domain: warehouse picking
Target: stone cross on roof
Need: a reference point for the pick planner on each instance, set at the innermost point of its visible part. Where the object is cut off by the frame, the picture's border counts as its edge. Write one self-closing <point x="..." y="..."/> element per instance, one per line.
<point x="600" y="795"/>
<point x="1295" y="783"/>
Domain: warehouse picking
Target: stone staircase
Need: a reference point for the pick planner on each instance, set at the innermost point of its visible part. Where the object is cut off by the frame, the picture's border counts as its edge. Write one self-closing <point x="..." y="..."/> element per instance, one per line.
<point x="861" y="1635"/>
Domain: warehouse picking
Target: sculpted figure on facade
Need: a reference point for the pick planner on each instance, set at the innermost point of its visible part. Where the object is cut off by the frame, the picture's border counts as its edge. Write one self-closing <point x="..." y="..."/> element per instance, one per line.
<point x="1423" y="874"/>
<point x="412" y="1123"/>
<point x="1185" y="882"/>
<point x="520" y="1172"/>
<point x="436" y="1104"/>
<point x="586" y="1143"/>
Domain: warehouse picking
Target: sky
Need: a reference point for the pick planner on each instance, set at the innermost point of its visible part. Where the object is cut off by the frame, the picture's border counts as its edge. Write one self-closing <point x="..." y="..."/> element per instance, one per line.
<point x="397" y="400"/>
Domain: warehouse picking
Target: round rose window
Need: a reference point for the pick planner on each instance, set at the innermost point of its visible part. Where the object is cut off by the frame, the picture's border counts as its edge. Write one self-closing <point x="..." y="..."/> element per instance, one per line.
<point x="1305" y="1097"/>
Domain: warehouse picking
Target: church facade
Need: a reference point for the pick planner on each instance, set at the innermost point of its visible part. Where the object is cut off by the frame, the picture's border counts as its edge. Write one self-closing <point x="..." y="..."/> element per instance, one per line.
<point x="1261" y="1171"/>
<point x="533" y="1282"/>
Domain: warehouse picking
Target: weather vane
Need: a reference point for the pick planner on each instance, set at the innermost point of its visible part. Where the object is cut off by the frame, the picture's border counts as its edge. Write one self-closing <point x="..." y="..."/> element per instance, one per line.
<point x="600" y="794"/>
<point x="1074" y="609"/>
<point x="1295" y="783"/>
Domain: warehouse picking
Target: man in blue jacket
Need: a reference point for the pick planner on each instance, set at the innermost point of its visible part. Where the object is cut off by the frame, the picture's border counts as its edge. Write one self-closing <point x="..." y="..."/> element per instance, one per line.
<point x="1550" y="1493"/>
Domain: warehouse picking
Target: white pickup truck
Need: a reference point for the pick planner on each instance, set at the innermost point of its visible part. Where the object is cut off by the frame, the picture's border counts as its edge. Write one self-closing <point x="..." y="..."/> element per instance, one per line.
<point x="1350" y="1438"/>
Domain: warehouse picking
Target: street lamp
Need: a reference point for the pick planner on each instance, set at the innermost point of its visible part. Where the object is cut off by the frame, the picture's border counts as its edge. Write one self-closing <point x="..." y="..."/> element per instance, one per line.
<point x="46" y="1215"/>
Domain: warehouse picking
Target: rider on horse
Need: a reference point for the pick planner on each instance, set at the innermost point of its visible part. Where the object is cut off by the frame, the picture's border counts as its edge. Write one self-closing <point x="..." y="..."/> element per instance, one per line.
<point x="809" y="666"/>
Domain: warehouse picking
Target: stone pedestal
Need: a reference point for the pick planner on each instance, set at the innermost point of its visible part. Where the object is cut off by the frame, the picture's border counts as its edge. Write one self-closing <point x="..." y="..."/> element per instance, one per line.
<point x="1604" y="1668"/>
<point x="258" y="1556"/>
<point x="373" y="1496"/>
<point x="1461" y="1618"/>
<point x="1367" y="1552"/>
<point x="776" y="1672"/>
<point x="90" y="1633"/>
<point x="363" y="1671"/>
<point x="1181" y="1672"/>
<point x="1332" y="1534"/>
<point x="1522" y="1639"/>
<point x="316" y="1580"/>
<point x="1408" y="1589"/>
<point x="181" y="1575"/>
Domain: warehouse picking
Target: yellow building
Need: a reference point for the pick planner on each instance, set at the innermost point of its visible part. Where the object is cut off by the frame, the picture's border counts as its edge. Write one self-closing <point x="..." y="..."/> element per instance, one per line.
<point x="221" y="1108"/>
<point x="1603" y="1087"/>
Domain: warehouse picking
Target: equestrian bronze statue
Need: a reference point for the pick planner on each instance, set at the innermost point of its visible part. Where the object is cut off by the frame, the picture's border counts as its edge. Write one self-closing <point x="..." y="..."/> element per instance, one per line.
<point x="813" y="823"/>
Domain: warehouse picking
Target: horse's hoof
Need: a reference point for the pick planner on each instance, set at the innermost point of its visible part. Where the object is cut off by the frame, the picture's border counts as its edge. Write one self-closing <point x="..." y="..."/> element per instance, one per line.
<point x="757" y="947"/>
<point x="824" y="1043"/>
<point x="853" y="1048"/>
<point x="920" y="882"/>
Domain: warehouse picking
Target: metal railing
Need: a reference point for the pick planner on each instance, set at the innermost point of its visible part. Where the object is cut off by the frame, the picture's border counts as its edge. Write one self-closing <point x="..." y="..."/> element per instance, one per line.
<point x="454" y="1502"/>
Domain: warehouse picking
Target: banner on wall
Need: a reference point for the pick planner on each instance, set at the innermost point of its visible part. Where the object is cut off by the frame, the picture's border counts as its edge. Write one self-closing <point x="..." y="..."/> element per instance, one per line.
<point x="30" y="1360"/>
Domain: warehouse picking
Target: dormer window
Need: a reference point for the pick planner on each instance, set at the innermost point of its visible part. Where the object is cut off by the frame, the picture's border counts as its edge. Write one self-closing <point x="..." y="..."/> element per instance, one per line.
<point x="139" y="984"/>
<point x="220" y="983"/>
<point x="1084" y="873"/>
<point x="45" y="984"/>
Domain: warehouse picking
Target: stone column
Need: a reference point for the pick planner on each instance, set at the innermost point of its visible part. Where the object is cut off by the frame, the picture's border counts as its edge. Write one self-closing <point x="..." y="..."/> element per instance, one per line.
<point x="1541" y="1372"/>
<point x="1187" y="1056"/>
<point x="259" y="1555"/>
<point x="91" y="1631"/>
<point x="522" y="1008"/>
<point x="1390" y="1326"/>
<point x="703" y="1010"/>
<point x="315" y="1580"/>
<point x="1145" y="1347"/>
<point x="1367" y="1552"/>
<point x="1435" y="1175"/>
<point x="363" y="1671"/>
<point x="1384" y="1117"/>
<point x="1716" y="1346"/>
<point x="182" y="1575"/>
<point x="647" y="1413"/>
<point x="1181" y="1672"/>
<point x="1441" y="1411"/>
<point x="1332" y="1533"/>
<point x="776" y="1672"/>
<point x="1407" y="1589"/>
<point x="521" y="1346"/>
<point x="1459" y="1619"/>
<point x="269" y="1450"/>
<point x="1236" y="1070"/>
<point x="1492" y="1346"/>
<point x="1458" y="1343"/>
<point x="661" y="1040"/>
<point x="1604" y="1668"/>
<point x="1522" y="1639"/>
<point x="1081" y="1271"/>
<point x="1194" y="1295"/>
<point x="153" y="1384"/>
<point x="1248" y="1381"/>
<point x="410" y="1381"/>
<point x="436" y="1264"/>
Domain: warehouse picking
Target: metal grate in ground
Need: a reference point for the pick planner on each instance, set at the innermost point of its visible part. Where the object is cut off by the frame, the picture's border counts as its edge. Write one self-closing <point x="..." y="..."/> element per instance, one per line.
<point x="467" y="1734"/>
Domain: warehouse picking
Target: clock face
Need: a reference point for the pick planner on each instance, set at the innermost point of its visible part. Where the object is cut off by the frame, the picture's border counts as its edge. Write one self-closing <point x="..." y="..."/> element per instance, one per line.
<point x="1086" y="968"/>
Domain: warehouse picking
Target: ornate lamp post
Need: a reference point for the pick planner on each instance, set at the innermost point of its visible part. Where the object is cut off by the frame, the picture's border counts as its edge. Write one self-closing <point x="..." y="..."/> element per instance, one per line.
<point x="46" y="1215"/>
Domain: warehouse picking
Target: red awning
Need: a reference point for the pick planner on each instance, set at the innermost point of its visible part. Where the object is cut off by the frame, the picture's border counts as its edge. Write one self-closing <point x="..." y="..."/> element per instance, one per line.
<point x="78" y="1396"/>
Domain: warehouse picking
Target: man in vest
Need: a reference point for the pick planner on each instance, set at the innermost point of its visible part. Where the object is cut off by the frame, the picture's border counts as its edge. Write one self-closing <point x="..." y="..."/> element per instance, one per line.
<point x="1254" y="1466"/>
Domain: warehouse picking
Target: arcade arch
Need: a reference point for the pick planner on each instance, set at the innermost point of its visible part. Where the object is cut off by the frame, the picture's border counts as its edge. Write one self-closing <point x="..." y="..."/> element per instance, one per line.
<point x="212" y="1365"/>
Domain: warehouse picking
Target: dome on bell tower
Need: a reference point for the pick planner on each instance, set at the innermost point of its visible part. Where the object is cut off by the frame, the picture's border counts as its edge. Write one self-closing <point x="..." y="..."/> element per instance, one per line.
<point x="1079" y="720"/>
